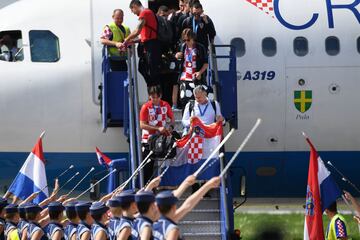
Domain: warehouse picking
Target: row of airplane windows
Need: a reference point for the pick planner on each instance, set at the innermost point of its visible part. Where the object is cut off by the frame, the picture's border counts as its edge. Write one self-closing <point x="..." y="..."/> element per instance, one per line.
<point x="300" y="46"/>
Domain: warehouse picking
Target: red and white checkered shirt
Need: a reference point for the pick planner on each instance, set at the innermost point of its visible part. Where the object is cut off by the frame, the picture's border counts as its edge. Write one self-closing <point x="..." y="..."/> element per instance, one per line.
<point x="107" y="33"/>
<point x="154" y="116"/>
<point x="189" y="67"/>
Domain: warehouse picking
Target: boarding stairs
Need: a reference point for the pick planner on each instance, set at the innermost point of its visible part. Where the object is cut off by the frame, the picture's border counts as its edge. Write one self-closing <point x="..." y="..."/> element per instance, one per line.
<point x="212" y="218"/>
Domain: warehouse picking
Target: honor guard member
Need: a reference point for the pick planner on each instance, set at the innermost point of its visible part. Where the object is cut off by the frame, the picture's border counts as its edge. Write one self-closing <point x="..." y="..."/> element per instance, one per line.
<point x="337" y="228"/>
<point x="12" y="219"/>
<point x="55" y="230"/>
<point x="166" y="227"/>
<point x="83" y="231"/>
<point x="3" y="204"/>
<point x="34" y="231"/>
<point x="98" y="212"/>
<point x="143" y="224"/>
<point x="70" y="229"/>
<point x="23" y="223"/>
<point x="125" y="230"/>
<point x="115" y="209"/>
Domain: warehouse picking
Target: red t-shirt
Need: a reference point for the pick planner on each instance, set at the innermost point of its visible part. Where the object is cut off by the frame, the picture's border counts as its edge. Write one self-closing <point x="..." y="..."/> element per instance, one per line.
<point x="154" y="116"/>
<point x="149" y="31"/>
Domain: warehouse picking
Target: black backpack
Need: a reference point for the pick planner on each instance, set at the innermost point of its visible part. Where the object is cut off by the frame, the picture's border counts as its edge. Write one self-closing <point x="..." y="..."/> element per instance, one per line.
<point x="164" y="31"/>
<point x="161" y="145"/>
<point x="192" y="104"/>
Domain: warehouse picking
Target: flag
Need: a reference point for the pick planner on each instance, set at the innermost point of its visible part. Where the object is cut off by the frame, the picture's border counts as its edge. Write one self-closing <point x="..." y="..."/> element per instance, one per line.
<point x="32" y="176"/>
<point x="321" y="192"/>
<point x="102" y="158"/>
<point x="192" y="151"/>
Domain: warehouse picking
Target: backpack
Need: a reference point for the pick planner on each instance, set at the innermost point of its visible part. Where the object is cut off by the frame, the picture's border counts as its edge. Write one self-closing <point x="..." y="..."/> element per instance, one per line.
<point x="161" y="145"/>
<point x="192" y="104"/>
<point x="164" y="30"/>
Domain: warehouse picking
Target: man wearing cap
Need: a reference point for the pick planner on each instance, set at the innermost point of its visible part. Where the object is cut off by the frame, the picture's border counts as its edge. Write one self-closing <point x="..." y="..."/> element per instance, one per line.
<point x="34" y="231"/>
<point x="55" y="230"/>
<point x="3" y="204"/>
<point x="115" y="209"/>
<point x="166" y="227"/>
<point x="125" y="230"/>
<point x="70" y="229"/>
<point x="98" y="213"/>
<point x="12" y="218"/>
<point x="143" y="224"/>
<point x="83" y="230"/>
<point x="23" y="223"/>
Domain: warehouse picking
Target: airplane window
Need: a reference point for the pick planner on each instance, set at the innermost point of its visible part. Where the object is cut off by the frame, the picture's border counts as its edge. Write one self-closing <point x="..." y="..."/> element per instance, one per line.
<point x="358" y="44"/>
<point x="11" y="48"/>
<point x="269" y="46"/>
<point x="332" y="46"/>
<point x="239" y="45"/>
<point x="301" y="47"/>
<point x="44" y="46"/>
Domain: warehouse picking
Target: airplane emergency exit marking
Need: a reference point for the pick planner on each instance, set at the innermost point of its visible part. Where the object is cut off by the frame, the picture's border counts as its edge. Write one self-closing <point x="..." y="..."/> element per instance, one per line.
<point x="272" y="8"/>
<point x="302" y="100"/>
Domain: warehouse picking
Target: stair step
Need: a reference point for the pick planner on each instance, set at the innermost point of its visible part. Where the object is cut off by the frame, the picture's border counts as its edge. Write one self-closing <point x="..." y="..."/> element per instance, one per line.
<point x="202" y="236"/>
<point x="200" y="226"/>
<point x="203" y="215"/>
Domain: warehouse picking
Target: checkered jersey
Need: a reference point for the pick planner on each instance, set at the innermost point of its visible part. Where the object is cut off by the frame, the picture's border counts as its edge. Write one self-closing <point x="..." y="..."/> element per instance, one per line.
<point x="195" y="150"/>
<point x="189" y="67"/>
<point x="154" y="116"/>
<point x="266" y="6"/>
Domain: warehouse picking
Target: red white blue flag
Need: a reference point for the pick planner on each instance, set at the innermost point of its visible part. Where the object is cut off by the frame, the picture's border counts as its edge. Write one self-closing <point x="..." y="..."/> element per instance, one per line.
<point x="322" y="191"/>
<point x="192" y="151"/>
<point x="102" y="158"/>
<point x="32" y="176"/>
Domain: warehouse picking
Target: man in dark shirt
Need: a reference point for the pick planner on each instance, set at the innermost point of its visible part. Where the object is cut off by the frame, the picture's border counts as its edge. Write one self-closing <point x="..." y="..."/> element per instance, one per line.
<point x="201" y="25"/>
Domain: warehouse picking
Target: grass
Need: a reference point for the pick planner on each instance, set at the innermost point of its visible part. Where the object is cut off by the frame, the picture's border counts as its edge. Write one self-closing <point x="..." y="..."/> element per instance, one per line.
<point x="290" y="226"/>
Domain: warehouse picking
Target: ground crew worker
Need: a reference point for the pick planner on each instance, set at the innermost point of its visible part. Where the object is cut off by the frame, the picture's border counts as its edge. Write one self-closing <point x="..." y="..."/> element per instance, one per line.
<point x="116" y="213"/>
<point x="113" y="36"/>
<point x="98" y="213"/>
<point x="70" y="229"/>
<point x="125" y="230"/>
<point x="337" y="228"/>
<point x="55" y="230"/>
<point x="3" y="204"/>
<point x="34" y="231"/>
<point x="12" y="219"/>
<point x="23" y="223"/>
<point x="145" y="201"/>
<point x="83" y="230"/>
<point x="166" y="227"/>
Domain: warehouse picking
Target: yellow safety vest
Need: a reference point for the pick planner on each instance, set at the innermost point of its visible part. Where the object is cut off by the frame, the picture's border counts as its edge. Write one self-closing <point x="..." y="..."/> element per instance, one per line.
<point x="331" y="231"/>
<point x="118" y="36"/>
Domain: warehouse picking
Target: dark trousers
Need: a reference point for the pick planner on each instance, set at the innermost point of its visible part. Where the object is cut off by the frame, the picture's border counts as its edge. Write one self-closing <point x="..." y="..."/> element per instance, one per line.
<point x="149" y="168"/>
<point x="149" y="62"/>
<point x="118" y="65"/>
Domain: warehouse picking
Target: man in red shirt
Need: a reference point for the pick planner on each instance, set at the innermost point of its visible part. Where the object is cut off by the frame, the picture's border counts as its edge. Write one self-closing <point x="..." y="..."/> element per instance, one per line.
<point x="149" y="48"/>
<point x="153" y="119"/>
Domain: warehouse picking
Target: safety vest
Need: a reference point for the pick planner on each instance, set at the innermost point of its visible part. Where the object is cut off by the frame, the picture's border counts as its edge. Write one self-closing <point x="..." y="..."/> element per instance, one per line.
<point x="331" y="231"/>
<point x="118" y="36"/>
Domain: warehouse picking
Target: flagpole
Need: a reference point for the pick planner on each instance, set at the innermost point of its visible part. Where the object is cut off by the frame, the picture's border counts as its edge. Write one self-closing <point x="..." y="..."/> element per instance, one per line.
<point x="42" y="134"/>
<point x="258" y="122"/>
<point x="214" y="152"/>
<point x="92" y="169"/>
<point x="343" y="177"/>
<point x="77" y="173"/>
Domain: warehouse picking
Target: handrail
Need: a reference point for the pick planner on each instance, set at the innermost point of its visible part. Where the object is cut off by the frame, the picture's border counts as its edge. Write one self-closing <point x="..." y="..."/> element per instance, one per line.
<point x="223" y="193"/>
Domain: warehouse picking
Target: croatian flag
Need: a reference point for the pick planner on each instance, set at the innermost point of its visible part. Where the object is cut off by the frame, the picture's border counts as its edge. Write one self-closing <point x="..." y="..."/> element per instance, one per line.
<point x="32" y="176"/>
<point x="102" y="158"/>
<point x="321" y="192"/>
<point x="192" y="151"/>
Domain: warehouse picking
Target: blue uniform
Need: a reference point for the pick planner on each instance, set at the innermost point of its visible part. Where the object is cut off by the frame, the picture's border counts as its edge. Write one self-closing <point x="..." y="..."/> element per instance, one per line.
<point x="2" y="223"/>
<point x="34" y="227"/>
<point x="96" y="228"/>
<point x="52" y="228"/>
<point x="113" y="224"/>
<point x="81" y="229"/>
<point x="162" y="227"/>
<point x="127" y="222"/>
<point x="141" y="222"/>
<point x="70" y="230"/>
<point x="21" y="226"/>
<point x="9" y="226"/>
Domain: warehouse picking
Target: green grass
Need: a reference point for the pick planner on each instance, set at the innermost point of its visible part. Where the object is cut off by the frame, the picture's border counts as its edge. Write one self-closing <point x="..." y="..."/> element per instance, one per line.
<point x="291" y="226"/>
